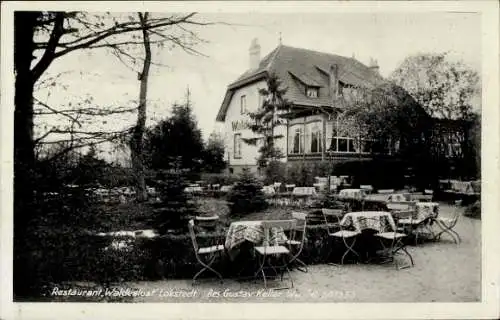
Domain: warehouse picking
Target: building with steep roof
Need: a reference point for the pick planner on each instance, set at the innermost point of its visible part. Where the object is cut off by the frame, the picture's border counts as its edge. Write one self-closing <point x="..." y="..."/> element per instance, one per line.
<point x="314" y="82"/>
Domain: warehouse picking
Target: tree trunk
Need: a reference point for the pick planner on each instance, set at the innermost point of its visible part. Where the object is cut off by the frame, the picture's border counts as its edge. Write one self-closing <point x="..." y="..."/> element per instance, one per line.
<point x="137" y="145"/>
<point x="24" y="156"/>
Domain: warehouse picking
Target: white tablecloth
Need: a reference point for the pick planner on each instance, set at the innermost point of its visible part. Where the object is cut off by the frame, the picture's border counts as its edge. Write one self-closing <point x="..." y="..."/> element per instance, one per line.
<point x="377" y="220"/>
<point x="252" y="231"/>
<point x="427" y="209"/>
<point x="352" y="194"/>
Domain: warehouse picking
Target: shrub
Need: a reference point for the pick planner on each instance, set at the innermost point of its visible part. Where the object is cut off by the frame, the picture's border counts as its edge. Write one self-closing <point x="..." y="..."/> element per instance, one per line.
<point x="175" y="208"/>
<point x="329" y="200"/>
<point x="246" y="196"/>
<point x="303" y="173"/>
<point x="275" y="172"/>
<point x="300" y="174"/>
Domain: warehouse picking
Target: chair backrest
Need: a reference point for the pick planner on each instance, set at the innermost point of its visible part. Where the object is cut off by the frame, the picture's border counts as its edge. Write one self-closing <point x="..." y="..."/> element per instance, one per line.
<point x="332" y="214"/>
<point x="301" y="225"/>
<point x="315" y="217"/>
<point x="208" y="222"/>
<point x="454" y="217"/>
<point x="285" y="225"/>
<point x="192" y="234"/>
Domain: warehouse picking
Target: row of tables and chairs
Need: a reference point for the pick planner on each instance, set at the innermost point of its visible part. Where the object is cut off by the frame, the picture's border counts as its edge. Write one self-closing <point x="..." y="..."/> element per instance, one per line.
<point x="275" y="246"/>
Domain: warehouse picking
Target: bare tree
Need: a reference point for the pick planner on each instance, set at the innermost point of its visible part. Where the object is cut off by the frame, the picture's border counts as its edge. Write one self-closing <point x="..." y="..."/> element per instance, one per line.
<point x="43" y="37"/>
<point x="136" y="143"/>
<point x="40" y="38"/>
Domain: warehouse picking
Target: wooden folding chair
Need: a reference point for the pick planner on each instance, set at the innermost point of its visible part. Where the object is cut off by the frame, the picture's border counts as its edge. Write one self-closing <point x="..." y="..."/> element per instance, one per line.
<point x="348" y="237"/>
<point x="447" y="226"/>
<point x="272" y="255"/>
<point x="393" y="242"/>
<point x="205" y="256"/>
<point x="296" y="244"/>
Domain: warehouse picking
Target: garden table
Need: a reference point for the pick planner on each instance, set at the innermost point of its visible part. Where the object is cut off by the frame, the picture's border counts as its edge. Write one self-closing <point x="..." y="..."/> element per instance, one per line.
<point x="384" y="228"/>
<point x="376" y="220"/>
<point x="242" y="236"/>
<point x="252" y="231"/>
<point x="420" y="220"/>
<point x="352" y="194"/>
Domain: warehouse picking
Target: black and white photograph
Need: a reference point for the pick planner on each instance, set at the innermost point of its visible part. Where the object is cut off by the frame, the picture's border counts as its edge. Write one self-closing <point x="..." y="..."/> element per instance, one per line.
<point x="250" y="153"/>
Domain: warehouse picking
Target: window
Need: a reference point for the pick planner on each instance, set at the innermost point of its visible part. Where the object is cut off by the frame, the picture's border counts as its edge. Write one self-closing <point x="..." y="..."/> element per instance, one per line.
<point x="237" y="146"/>
<point x="343" y="144"/>
<point x="315" y="141"/>
<point x="312" y="92"/>
<point x="243" y="104"/>
<point x="296" y="142"/>
<point x="262" y="98"/>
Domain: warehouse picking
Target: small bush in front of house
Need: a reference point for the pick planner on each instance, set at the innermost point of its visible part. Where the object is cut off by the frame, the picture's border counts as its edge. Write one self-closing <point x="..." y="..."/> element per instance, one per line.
<point x="275" y="172"/>
<point x="330" y="200"/>
<point x="246" y="195"/>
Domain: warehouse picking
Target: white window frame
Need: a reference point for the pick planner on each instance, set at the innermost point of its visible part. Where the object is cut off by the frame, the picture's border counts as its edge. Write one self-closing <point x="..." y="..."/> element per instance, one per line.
<point x="237" y="146"/>
<point x="300" y="130"/>
<point x="311" y="90"/>
<point x="243" y="104"/>
<point x="319" y="133"/>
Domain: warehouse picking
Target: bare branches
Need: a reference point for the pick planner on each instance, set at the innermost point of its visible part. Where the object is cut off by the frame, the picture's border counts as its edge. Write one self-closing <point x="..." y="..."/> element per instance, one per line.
<point x="54" y="111"/>
<point x="87" y="141"/>
<point x="90" y="111"/>
<point x="84" y="135"/>
<point x="86" y="42"/>
<point x="48" y="55"/>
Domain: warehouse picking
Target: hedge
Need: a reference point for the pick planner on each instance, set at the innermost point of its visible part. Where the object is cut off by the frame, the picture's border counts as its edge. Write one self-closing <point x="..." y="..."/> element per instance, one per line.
<point x="83" y="257"/>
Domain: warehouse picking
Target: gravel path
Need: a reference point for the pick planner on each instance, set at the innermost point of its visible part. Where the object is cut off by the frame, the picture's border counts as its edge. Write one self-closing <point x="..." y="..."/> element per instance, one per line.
<point x="443" y="272"/>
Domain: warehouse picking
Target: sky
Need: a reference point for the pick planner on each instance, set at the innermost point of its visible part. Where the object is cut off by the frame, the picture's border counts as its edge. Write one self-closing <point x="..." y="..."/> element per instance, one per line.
<point x="386" y="37"/>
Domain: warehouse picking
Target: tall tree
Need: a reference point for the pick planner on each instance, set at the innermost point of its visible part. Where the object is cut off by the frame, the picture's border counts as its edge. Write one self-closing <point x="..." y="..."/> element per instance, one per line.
<point x="446" y="89"/>
<point x="214" y="153"/>
<point x="386" y="119"/>
<point x="265" y="120"/>
<point x="136" y="143"/>
<point x="450" y="92"/>
<point x="176" y="137"/>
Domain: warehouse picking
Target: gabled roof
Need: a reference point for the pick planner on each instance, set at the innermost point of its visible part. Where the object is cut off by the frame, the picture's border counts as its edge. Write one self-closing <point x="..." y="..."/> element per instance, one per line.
<point x="297" y="67"/>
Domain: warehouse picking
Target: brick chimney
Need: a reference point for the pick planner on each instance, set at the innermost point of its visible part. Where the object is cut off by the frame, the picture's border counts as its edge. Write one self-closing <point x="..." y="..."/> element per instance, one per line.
<point x="334" y="81"/>
<point x="254" y="54"/>
<point x="374" y="65"/>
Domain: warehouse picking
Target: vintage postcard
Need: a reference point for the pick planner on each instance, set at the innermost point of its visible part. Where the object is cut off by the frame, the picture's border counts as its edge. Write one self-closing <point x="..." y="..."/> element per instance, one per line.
<point x="226" y="160"/>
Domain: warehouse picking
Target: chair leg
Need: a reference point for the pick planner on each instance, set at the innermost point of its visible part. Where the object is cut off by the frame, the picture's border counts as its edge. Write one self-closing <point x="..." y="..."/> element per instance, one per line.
<point x="349" y="248"/>
<point x="401" y="246"/>
<point x="207" y="266"/>
<point x="264" y="277"/>
<point x="305" y="270"/>
<point x="289" y="275"/>
<point x="448" y="230"/>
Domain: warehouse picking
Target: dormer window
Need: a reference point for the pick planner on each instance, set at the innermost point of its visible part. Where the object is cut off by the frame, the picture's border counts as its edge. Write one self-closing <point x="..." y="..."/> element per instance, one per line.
<point x="312" y="92"/>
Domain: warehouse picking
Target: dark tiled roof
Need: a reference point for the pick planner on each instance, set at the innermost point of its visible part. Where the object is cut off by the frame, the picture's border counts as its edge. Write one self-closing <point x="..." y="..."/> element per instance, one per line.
<point x="297" y="67"/>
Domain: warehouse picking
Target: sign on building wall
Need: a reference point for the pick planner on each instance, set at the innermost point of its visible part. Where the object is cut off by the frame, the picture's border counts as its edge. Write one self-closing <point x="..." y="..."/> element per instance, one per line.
<point x="239" y="125"/>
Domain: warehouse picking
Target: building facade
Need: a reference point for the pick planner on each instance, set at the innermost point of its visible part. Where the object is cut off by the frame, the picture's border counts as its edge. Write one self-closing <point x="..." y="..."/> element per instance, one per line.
<point x="314" y="129"/>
